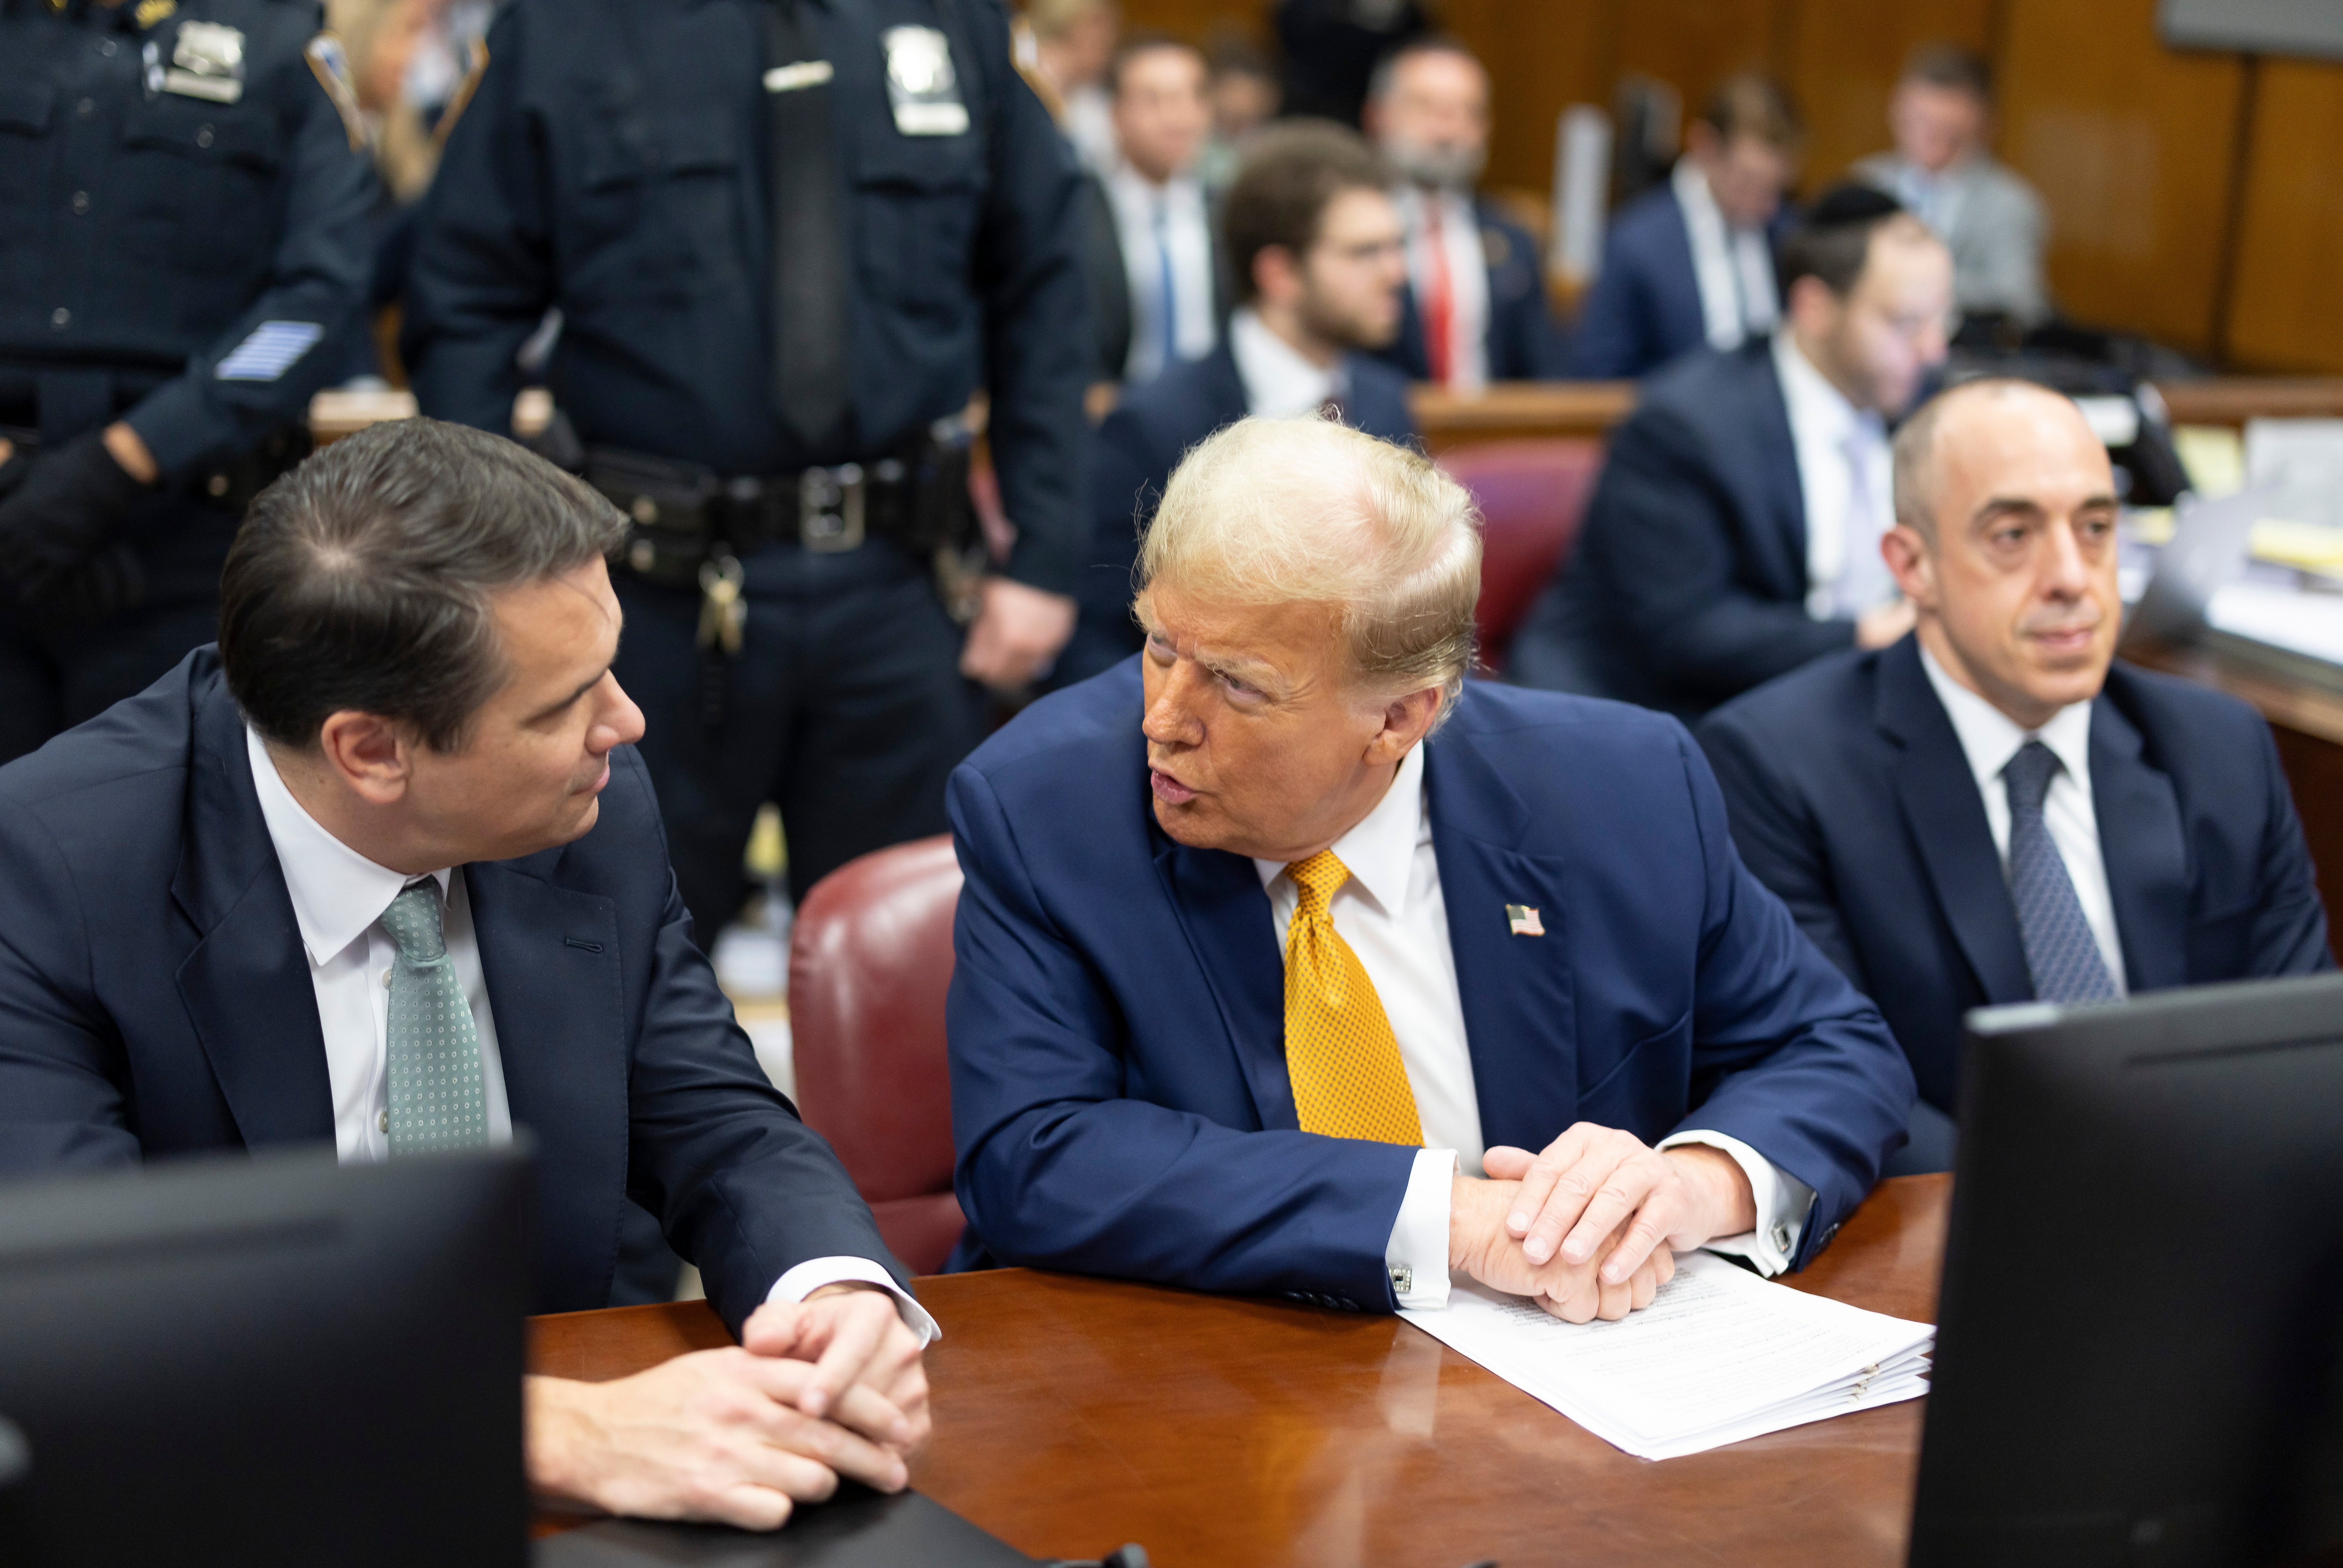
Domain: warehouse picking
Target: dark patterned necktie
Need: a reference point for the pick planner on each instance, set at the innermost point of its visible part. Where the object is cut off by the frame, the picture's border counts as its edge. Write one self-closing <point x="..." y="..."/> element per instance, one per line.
<point x="2060" y="951"/>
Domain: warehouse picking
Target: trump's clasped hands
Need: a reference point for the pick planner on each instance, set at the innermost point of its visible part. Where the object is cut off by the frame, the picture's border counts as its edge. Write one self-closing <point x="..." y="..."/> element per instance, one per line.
<point x="1590" y="1226"/>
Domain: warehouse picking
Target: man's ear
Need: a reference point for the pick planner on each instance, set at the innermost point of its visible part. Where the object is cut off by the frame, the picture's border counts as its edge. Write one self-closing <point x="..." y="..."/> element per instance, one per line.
<point x="1406" y="721"/>
<point x="1908" y="556"/>
<point x="1276" y="275"/>
<point x="369" y="755"/>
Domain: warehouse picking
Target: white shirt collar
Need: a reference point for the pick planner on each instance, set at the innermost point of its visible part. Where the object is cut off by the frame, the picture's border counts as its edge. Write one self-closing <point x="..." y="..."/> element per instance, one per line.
<point x="1379" y="853"/>
<point x="1818" y="411"/>
<point x="1990" y="737"/>
<point x="1278" y="382"/>
<point x="336" y="892"/>
<point x="1179" y="190"/>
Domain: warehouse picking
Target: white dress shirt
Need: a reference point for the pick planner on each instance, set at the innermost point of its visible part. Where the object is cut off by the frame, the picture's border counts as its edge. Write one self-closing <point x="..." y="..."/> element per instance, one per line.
<point x="339" y="897"/>
<point x="1152" y="220"/>
<point x="1989" y="738"/>
<point x="1395" y="917"/>
<point x="1278" y="382"/>
<point x="1734" y="267"/>
<point x="1468" y="276"/>
<point x="1846" y="478"/>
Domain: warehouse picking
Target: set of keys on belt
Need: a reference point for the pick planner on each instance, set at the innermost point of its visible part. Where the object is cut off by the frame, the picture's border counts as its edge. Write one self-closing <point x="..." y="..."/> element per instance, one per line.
<point x="723" y="611"/>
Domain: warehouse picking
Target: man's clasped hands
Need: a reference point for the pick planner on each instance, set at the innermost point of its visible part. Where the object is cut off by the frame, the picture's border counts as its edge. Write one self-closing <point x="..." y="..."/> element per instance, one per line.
<point x="1591" y="1225"/>
<point x="827" y="1387"/>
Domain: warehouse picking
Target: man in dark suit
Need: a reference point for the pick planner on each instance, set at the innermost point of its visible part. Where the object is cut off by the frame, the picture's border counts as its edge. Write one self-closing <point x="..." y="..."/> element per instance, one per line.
<point x="1991" y="810"/>
<point x="1474" y="308"/>
<point x="1316" y="245"/>
<point x="383" y="873"/>
<point x="1156" y="284"/>
<point x="1526" y="930"/>
<point x="1691" y="261"/>
<point x="1733" y="533"/>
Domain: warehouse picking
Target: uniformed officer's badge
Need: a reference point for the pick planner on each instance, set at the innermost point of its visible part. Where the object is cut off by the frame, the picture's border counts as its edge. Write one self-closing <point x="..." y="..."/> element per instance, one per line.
<point x="921" y="84"/>
<point x="208" y="61"/>
<point x="331" y="67"/>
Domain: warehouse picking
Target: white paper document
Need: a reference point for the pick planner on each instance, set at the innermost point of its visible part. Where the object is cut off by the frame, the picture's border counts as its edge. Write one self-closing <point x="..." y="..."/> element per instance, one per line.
<point x="1719" y="1355"/>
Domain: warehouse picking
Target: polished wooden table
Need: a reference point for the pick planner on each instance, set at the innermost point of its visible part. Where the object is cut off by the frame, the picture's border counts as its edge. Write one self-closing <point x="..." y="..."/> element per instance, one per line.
<point x="1074" y="1415"/>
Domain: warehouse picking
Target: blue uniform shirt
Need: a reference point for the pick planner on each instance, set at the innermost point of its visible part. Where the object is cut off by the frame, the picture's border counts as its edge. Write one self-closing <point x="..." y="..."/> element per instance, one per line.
<point x="612" y="162"/>
<point x="185" y="218"/>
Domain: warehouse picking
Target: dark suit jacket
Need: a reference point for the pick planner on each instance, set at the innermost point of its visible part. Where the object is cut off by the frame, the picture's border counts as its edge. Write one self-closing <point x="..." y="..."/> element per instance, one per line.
<point x="1851" y="798"/>
<point x="1119" y="1097"/>
<point x="1644" y="308"/>
<point x="154" y="999"/>
<point x="1524" y="343"/>
<point x="1110" y="277"/>
<point x="1688" y="585"/>
<point x="1137" y="448"/>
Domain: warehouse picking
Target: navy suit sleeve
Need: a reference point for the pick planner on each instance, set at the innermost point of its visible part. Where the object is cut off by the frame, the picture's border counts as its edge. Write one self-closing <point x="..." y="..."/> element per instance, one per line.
<point x="482" y="273"/>
<point x="1775" y="830"/>
<point x="1669" y="552"/>
<point x="2290" y="929"/>
<point x="61" y="1094"/>
<point x="740" y="1185"/>
<point x="1608" y="342"/>
<point x="1062" y="1166"/>
<point x="1787" y="1056"/>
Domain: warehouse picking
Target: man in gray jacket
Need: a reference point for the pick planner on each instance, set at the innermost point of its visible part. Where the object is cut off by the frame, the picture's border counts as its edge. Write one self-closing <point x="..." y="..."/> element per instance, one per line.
<point x="1941" y="170"/>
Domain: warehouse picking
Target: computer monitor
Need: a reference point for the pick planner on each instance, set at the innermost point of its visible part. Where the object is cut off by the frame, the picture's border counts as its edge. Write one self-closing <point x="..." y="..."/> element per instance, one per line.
<point x="277" y="1360"/>
<point x="2139" y="1347"/>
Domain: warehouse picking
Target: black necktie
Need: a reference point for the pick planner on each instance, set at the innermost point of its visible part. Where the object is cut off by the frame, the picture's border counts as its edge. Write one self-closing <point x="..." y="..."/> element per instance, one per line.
<point x="809" y="236"/>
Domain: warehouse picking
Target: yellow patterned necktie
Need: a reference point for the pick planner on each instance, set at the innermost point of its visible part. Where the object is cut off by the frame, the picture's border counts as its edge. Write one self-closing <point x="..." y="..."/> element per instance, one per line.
<point x="1340" y="1053"/>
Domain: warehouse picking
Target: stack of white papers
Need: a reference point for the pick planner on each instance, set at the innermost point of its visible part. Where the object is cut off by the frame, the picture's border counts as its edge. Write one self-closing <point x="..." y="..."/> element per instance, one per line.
<point x="1719" y="1355"/>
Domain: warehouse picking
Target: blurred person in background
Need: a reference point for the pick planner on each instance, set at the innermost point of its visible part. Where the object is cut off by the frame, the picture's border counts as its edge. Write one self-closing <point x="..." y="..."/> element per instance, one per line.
<point x="1692" y="263"/>
<point x="383" y="39"/>
<point x="1154" y="266"/>
<point x="1073" y="42"/>
<point x="1329" y="48"/>
<point x="187" y="200"/>
<point x="1735" y="533"/>
<point x="1474" y="310"/>
<point x="1317" y="250"/>
<point x="1244" y="97"/>
<point x="1942" y="116"/>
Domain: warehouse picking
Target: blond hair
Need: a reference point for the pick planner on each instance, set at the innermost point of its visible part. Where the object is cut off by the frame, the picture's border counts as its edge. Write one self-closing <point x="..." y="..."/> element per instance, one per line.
<point x="1308" y="511"/>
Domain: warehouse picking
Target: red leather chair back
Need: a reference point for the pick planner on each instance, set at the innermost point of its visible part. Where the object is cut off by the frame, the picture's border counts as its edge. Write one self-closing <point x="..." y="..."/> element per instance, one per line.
<point x="1533" y="495"/>
<point x="868" y="962"/>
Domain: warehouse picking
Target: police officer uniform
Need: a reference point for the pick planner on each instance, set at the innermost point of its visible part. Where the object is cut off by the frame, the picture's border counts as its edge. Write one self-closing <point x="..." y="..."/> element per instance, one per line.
<point x="787" y="239"/>
<point x="186" y="192"/>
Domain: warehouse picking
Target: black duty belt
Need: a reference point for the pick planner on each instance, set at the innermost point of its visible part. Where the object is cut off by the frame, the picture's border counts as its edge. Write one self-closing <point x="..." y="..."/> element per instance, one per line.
<point x="825" y="510"/>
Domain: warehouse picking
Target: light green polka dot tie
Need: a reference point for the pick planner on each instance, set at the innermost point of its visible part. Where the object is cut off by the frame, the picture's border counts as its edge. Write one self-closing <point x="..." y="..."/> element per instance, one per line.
<point x="436" y="1100"/>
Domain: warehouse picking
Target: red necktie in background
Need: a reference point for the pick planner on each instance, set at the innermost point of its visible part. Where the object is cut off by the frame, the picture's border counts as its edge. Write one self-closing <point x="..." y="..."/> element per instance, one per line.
<point x="1438" y="300"/>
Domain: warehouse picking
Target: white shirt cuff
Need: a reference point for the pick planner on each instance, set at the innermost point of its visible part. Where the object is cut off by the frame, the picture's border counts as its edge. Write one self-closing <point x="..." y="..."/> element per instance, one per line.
<point x="815" y="1272"/>
<point x="1417" y="1254"/>
<point x="1784" y="1204"/>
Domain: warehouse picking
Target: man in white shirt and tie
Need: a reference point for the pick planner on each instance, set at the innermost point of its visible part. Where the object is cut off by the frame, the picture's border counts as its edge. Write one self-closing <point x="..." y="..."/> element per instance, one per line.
<point x="1476" y="306"/>
<point x="1734" y="532"/>
<point x="382" y="871"/>
<point x="1154" y="259"/>
<point x="1691" y="262"/>
<point x="1993" y="809"/>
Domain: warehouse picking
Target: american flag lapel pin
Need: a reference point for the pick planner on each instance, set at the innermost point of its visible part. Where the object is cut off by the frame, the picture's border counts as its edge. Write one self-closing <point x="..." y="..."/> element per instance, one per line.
<point x="1524" y="920"/>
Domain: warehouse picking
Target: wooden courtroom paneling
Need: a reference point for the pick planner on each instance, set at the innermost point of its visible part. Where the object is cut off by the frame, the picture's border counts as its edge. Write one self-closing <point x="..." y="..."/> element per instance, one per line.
<point x="2284" y="312"/>
<point x="1842" y="60"/>
<point x="2130" y="145"/>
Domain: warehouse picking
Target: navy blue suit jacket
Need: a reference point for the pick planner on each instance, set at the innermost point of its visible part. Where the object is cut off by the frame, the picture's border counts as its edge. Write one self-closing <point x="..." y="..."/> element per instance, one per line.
<point x="1851" y="798"/>
<point x="1688" y="585"/>
<point x="154" y="999"/>
<point x="1120" y="1097"/>
<point x="1644" y="308"/>
<point x="1141" y="442"/>
<point x="1524" y="343"/>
